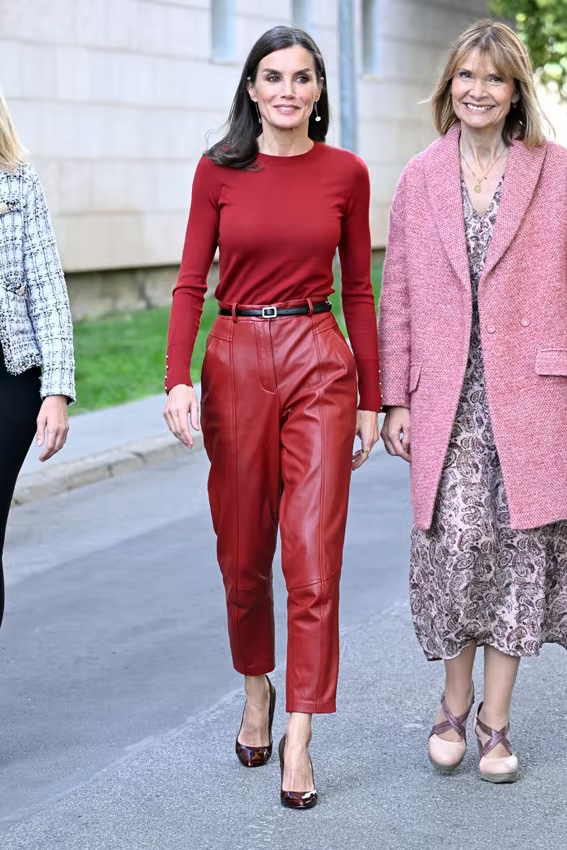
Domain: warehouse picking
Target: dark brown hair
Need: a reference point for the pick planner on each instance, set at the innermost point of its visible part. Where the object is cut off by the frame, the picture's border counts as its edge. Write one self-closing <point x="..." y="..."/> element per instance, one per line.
<point x="238" y="148"/>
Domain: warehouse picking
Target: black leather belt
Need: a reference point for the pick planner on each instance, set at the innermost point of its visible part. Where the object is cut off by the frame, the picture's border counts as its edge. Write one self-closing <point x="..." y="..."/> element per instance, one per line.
<point x="274" y="312"/>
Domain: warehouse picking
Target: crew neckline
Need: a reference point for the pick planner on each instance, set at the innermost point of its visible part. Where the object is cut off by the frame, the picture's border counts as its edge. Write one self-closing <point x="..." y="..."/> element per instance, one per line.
<point x="269" y="157"/>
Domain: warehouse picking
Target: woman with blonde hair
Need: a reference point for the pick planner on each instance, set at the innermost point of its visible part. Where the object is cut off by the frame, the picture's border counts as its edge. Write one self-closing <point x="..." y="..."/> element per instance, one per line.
<point x="473" y="333"/>
<point x="36" y="335"/>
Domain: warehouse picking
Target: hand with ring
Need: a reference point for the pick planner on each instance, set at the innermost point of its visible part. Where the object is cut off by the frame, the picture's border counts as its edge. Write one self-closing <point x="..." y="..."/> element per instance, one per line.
<point x="367" y="431"/>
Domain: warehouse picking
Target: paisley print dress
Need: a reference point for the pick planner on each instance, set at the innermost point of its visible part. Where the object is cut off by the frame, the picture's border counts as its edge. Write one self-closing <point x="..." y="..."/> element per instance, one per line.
<point x="473" y="579"/>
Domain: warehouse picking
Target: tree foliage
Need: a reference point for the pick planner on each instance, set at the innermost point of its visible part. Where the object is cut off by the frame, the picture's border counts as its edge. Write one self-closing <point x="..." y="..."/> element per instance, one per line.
<point x="542" y="24"/>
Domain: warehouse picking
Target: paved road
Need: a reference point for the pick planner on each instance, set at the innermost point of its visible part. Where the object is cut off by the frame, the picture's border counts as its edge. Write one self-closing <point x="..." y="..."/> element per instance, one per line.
<point x="119" y="705"/>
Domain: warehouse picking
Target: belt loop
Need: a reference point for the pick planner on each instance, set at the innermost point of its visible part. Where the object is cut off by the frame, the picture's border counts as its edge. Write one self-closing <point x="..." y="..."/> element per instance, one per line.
<point x="310" y="305"/>
<point x="233" y="310"/>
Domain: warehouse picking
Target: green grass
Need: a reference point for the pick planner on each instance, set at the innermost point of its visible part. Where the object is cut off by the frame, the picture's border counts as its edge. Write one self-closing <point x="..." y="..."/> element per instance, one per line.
<point x="122" y="358"/>
<point x="377" y="266"/>
<point x="335" y="299"/>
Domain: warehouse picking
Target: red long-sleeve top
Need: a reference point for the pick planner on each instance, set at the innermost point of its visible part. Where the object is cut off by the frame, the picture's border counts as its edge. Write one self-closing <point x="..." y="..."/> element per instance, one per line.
<point x="277" y="229"/>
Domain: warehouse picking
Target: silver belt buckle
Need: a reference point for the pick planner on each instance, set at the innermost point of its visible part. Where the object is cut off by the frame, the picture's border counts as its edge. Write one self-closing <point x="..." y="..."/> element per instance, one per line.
<point x="269" y="312"/>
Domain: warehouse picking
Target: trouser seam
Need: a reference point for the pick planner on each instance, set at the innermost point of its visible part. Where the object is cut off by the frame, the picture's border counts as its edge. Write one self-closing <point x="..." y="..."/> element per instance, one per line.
<point x="315" y="581"/>
<point x="237" y="500"/>
<point x="321" y="517"/>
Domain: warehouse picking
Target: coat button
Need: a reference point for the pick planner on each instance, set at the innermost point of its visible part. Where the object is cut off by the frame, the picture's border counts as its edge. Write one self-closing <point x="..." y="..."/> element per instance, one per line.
<point x="524" y="322"/>
<point x="490" y="329"/>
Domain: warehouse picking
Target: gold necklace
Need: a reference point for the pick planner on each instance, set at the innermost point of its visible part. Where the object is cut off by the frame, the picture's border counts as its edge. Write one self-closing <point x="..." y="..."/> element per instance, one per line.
<point x="479" y="180"/>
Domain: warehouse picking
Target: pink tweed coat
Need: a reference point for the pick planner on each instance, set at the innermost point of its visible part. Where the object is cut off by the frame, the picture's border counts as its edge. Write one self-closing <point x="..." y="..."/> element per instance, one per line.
<point x="425" y="323"/>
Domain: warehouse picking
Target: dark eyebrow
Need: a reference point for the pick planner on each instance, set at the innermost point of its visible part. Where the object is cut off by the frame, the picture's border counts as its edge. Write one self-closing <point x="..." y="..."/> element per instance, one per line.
<point x="302" y="71"/>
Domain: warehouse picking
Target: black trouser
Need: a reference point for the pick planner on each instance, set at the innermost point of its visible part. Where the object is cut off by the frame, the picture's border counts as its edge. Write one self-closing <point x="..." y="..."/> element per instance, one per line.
<point x="19" y="405"/>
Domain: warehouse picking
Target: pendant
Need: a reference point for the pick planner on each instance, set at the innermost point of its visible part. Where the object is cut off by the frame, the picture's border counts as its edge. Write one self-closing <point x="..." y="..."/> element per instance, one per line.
<point x="478" y="187"/>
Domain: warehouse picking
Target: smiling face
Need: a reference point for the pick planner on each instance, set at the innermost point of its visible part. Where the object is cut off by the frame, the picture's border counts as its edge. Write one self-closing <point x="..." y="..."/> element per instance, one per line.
<point x="286" y="88"/>
<point x="481" y="97"/>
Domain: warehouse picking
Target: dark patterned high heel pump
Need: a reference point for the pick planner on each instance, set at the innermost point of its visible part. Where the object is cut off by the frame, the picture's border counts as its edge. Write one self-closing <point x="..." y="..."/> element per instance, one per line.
<point x="257" y="756"/>
<point x="296" y="799"/>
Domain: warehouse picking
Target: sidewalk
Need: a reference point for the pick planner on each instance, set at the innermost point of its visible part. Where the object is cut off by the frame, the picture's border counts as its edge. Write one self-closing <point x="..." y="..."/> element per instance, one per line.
<point x="184" y="789"/>
<point x="102" y="444"/>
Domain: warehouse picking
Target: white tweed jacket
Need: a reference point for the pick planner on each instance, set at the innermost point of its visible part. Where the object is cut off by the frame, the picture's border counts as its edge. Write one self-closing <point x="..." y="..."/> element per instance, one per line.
<point x="35" y="319"/>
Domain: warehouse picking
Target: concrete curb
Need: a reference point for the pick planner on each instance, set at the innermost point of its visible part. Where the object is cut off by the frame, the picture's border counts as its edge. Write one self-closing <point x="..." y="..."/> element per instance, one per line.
<point x="87" y="470"/>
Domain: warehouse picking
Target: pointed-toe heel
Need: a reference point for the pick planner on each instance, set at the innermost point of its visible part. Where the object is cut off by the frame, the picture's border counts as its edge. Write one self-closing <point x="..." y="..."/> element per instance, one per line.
<point x="497" y="770"/>
<point x="295" y="799"/>
<point x="257" y="756"/>
<point x="446" y="756"/>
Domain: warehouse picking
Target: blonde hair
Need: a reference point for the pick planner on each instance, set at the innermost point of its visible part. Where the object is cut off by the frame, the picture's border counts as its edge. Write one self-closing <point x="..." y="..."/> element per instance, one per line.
<point x="12" y="153"/>
<point x="497" y="42"/>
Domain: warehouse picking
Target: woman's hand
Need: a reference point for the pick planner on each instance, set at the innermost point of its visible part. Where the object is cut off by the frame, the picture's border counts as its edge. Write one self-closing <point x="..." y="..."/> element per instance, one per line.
<point x="367" y="430"/>
<point x="396" y="432"/>
<point x="52" y="425"/>
<point x="181" y="407"/>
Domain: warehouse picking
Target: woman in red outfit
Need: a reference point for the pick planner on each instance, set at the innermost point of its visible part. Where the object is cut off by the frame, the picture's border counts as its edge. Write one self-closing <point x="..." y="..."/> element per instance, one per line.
<point x="279" y="382"/>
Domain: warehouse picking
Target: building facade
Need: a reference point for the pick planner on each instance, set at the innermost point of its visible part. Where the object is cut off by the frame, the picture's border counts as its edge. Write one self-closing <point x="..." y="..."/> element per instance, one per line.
<point x="114" y="100"/>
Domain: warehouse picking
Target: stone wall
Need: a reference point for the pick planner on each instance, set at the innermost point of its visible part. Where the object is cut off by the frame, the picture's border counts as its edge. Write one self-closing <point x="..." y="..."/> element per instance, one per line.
<point x="114" y="99"/>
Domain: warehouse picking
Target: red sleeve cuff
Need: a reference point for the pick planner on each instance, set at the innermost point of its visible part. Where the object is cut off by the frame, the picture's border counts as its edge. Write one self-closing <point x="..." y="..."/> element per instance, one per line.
<point x="177" y="370"/>
<point x="369" y="385"/>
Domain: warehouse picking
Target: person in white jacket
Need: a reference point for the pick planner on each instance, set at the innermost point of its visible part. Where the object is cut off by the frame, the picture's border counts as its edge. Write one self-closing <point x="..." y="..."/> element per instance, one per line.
<point x="36" y="331"/>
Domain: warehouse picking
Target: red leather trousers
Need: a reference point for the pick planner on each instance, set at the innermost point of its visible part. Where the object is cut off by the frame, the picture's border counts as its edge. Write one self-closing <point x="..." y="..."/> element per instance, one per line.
<point x="278" y="418"/>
